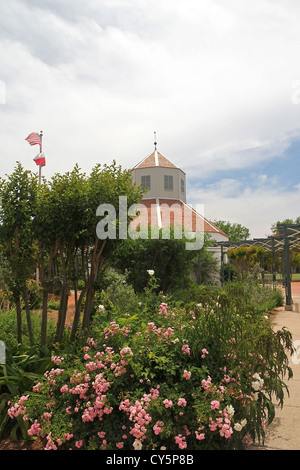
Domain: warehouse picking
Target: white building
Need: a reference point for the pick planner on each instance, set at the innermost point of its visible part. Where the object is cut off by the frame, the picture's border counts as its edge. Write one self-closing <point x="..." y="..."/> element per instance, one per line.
<point x="165" y="203"/>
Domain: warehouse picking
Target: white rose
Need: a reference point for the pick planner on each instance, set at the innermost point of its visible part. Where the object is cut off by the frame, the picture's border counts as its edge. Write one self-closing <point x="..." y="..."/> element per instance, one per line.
<point x="230" y="410"/>
<point x="137" y="445"/>
<point x="150" y="272"/>
<point x="256" y="376"/>
<point x="238" y="427"/>
<point x="255" y="385"/>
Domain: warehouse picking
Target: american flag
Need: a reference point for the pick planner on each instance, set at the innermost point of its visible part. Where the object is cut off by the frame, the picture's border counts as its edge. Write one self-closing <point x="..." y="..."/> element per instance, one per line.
<point x="34" y="139"/>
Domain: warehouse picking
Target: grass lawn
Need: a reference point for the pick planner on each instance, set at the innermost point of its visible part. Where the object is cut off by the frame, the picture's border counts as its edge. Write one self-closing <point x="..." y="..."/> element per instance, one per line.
<point x="295" y="277"/>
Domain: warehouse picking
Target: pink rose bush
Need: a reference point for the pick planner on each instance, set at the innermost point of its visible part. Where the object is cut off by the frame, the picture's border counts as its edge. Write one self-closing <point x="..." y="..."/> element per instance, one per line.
<point x="175" y="379"/>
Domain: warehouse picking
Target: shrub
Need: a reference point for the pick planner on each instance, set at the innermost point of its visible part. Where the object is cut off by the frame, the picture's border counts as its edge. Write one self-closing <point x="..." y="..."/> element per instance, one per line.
<point x="251" y="296"/>
<point x="18" y="375"/>
<point x="8" y="330"/>
<point x="174" y="379"/>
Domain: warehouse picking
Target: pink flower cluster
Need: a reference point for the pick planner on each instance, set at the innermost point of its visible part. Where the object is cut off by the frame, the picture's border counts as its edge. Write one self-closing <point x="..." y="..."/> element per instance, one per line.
<point x="138" y="413"/>
<point x="181" y="402"/>
<point x="161" y="333"/>
<point x="126" y="351"/>
<point x="206" y="384"/>
<point x="18" y="408"/>
<point x="186" y="374"/>
<point x="186" y="349"/>
<point x="114" y="328"/>
<point x="158" y="427"/>
<point x="56" y="359"/>
<point x="200" y="436"/>
<point x="181" y="441"/>
<point x="167" y="403"/>
<point x="204" y="351"/>
<point x="222" y="423"/>
<point x="35" y="429"/>
<point x="163" y="309"/>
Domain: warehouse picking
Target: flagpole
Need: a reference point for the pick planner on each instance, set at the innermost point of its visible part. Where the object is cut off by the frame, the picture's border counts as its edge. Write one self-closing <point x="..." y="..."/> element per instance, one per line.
<point x="40" y="166"/>
<point x="37" y="274"/>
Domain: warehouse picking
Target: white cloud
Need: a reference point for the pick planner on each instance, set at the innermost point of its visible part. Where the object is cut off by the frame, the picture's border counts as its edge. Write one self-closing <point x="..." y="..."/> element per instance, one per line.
<point x="256" y="208"/>
<point x="214" y="78"/>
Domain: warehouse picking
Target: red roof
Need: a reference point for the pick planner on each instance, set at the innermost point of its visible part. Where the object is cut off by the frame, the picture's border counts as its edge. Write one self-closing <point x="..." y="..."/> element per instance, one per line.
<point x="165" y="212"/>
<point x="153" y="160"/>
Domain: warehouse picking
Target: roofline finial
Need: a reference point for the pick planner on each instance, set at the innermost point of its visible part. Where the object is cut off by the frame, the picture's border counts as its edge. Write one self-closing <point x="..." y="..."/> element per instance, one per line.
<point x="155" y="143"/>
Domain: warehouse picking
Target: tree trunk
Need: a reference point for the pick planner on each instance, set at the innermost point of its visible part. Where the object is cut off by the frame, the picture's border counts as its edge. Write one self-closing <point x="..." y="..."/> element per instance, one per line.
<point x="64" y="296"/>
<point x="44" y="317"/>
<point x="77" y="314"/>
<point x="90" y="293"/>
<point x="28" y="315"/>
<point x="45" y="283"/>
<point x="19" y="321"/>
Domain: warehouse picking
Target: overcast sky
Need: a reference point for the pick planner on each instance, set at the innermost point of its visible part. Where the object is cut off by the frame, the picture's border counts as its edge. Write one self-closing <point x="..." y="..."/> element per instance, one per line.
<point x="218" y="80"/>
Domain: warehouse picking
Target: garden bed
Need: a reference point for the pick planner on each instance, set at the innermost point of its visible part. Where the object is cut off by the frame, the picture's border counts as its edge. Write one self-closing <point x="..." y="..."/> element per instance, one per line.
<point x="199" y="376"/>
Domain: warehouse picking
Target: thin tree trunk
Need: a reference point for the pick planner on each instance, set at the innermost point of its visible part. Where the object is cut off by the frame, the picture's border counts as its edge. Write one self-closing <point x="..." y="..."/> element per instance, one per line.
<point x="44" y="317"/>
<point x="77" y="315"/>
<point x="19" y="321"/>
<point x="90" y="294"/>
<point x="28" y="315"/>
<point x="45" y="283"/>
<point x="62" y="313"/>
<point x="64" y="294"/>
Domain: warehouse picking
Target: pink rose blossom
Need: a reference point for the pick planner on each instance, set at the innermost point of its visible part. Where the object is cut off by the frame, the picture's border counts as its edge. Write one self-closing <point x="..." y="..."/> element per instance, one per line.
<point x="181" y="401"/>
<point x="187" y="374"/>
<point x="215" y="405"/>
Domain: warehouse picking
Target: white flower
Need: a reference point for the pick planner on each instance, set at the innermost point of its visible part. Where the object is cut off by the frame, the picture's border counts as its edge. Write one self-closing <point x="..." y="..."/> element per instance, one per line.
<point x="230" y="410"/>
<point x="255" y="396"/>
<point x="255" y="386"/>
<point x="137" y="445"/>
<point x="238" y="427"/>
<point x="163" y="448"/>
<point x="256" y="376"/>
<point x="150" y="272"/>
<point x="101" y="308"/>
<point x="258" y="383"/>
<point x="176" y="340"/>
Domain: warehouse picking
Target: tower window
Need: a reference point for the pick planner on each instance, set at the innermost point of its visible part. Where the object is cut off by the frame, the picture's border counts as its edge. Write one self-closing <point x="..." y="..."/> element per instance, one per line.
<point x="182" y="185"/>
<point x="146" y="181"/>
<point x="168" y="182"/>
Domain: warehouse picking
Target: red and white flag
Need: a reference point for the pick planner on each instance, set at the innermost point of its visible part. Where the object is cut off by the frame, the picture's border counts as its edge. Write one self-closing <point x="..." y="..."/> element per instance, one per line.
<point x="40" y="159"/>
<point x="34" y="139"/>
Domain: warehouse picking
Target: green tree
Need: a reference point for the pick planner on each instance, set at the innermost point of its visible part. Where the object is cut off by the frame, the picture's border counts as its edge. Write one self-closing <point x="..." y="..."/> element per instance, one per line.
<point x="18" y="193"/>
<point x="244" y="258"/>
<point x="172" y="263"/>
<point x="235" y="231"/>
<point x="285" y="221"/>
<point x="58" y="224"/>
<point x="65" y="226"/>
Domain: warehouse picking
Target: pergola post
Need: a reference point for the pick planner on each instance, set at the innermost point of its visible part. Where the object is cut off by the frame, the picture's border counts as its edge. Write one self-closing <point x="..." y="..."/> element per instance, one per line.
<point x="287" y="269"/>
<point x="222" y="265"/>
